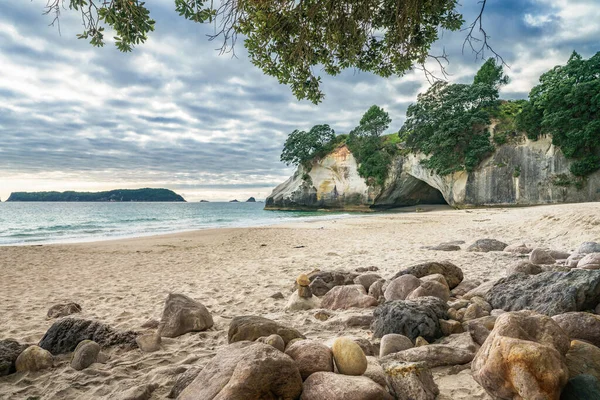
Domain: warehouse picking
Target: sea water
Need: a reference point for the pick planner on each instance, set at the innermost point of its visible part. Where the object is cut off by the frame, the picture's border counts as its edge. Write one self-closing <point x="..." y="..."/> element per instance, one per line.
<point x="33" y="222"/>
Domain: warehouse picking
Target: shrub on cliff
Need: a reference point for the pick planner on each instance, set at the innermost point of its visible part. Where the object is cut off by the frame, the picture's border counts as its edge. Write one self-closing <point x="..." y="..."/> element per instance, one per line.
<point x="566" y="104"/>
<point x="449" y="122"/>
<point x="302" y="147"/>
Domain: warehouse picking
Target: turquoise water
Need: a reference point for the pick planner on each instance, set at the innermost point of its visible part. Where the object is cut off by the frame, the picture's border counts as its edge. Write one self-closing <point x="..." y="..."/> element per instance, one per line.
<point x="30" y="223"/>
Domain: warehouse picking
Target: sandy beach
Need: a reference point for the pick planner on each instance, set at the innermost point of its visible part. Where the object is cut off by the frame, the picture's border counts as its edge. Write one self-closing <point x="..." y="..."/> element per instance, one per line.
<point x="234" y="272"/>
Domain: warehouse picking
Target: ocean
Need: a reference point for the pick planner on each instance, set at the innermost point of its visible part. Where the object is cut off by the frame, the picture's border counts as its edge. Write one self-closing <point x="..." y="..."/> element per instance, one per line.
<point x="38" y="223"/>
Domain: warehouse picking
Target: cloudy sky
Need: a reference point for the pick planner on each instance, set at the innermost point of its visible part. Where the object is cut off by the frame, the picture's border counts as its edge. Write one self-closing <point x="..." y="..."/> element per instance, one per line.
<point x="175" y="114"/>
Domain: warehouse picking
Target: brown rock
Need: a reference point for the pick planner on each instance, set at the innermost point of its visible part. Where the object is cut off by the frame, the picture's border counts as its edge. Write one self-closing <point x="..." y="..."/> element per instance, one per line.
<point x="431" y="288"/>
<point x="304" y="292"/>
<point x="310" y="357"/>
<point x="520" y="248"/>
<point x="393" y="343"/>
<point x="473" y="311"/>
<point x="182" y="315"/>
<point x="331" y="386"/>
<point x="435" y="277"/>
<point x="375" y="371"/>
<point x="376" y="289"/>
<point x="246" y="371"/>
<point x="252" y="327"/>
<point x="524" y="267"/>
<point x="273" y="340"/>
<point x="580" y="325"/>
<point x="590" y="261"/>
<point x="464" y="287"/>
<point x="401" y="287"/>
<point x="85" y="354"/>
<point x="34" y="358"/>
<point x="344" y="297"/>
<point x="523" y="358"/>
<point x="323" y="315"/>
<point x="451" y="272"/>
<point x="367" y="280"/>
<point x="583" y="358"/>
<point x="480" y="328"/>
<point x="149" y="343"/>
<point x="451" y="326"/>
<point x="62" y="310"/>
<point x="420" y="341"/>
<point x="349" y="358"/>
<point x="410" y="380"/>
<point x="541" y="256"/>
<point x="433" y="355"/>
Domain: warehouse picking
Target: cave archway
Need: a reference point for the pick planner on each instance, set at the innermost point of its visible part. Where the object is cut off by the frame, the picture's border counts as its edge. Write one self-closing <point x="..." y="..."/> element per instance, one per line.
<point x="408" y="191"/>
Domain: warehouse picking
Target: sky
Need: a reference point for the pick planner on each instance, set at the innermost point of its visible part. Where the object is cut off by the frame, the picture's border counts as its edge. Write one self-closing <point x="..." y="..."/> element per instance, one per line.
<point x="176" y="114"/>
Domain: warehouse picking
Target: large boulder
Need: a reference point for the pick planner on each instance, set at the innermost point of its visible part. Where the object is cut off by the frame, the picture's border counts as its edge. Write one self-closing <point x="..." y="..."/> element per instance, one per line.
<point x="367" y="280"/>
<point x="590" y="261"/>
<point x="9" y="351"/>
<point x="252" y="327"/>
<point x="589" y="247"/>
<point x="65" y="334"/>
<point x="410" y="380"/>
<point x="541" y="256"/>
<point x="583" y="358"/>
<point x="34" y="358"/>
<point x="393" y="343"/>
<point x="183" y="381"/>
<point x="487" y="245"/>
<point x="62" y="310"/>
<point x="323" y="281"/>
<point x="549" y="293"/>
<point x="433" y="355"/>
<point x="246" y="371"/>
<point x="349" y="358"/>
<point x="401" y="287"/>
<point x="85" y="354"/>
<point x="344" y="297"/>
<point x="523" y="267"/>
<point x="451" y="272"/>
<point x="411" y="318"/>
<point x="465" y="286"/>
<point x="182" y="315"/>
<point x="331" y="386"/>
<point x="523" y="358"/>
<point x="310" y="357"/>
<point x="431" y="288"/>
<point x="580" y="325"/>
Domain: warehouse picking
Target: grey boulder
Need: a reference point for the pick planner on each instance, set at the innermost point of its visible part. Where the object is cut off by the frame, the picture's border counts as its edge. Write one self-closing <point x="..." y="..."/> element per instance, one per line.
<point x="182" y="315"/>
<point x="9" y="351"/>
<point x="487" y="245"/>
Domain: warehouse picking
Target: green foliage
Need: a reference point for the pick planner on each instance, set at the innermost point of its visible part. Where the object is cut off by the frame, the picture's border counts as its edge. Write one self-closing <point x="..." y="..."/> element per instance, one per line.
<point x="290" y="39"/>
<point x="491" y="74"/>
<point x="372" y="152"/>
<point x="500" y="138"/>
<point x="517" y="172"/>
<point x="566" y="104"/>
<point x="506" y="114"/>
<point x="302" y="147"/>
<point x="145" y="195"/>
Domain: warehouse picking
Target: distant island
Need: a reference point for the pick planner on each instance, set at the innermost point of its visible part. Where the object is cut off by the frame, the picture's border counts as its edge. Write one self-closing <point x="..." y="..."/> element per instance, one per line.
<point x="118" y="195"/>
<point x="234" y="201"/>
<point x="251" y="200"/>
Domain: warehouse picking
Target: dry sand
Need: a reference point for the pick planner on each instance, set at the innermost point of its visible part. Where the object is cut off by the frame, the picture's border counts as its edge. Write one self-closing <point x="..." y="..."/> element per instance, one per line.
<point x="234" y="272"/>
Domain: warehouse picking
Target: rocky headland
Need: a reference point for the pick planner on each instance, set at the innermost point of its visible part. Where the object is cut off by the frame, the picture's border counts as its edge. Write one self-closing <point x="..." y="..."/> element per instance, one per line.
<point x="117" y="195"/>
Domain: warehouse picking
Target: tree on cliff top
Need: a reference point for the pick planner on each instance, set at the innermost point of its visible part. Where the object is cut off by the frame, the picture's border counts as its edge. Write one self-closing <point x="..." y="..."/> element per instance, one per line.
<point x="491" y="74"/>
<point x="566" y="104"/>
<point x="449" y="122"/>
<point x="302" y="147"/>
<point x="286" y="39"/>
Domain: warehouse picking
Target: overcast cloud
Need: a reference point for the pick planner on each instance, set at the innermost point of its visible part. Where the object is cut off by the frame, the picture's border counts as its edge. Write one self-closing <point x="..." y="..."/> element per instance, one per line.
<point x="176" y="114"/>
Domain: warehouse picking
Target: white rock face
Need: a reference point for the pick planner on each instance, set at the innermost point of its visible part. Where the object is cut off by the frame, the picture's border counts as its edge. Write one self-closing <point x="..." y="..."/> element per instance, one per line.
<point x="516" y="174"/>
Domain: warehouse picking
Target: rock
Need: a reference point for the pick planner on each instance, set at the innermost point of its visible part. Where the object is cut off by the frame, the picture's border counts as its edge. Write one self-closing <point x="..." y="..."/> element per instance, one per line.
<point x="580" y="325"/>
<point x="431" y="288"/>
<point x="460" y="341"/>
<point x="277" y="296"/>
<point x="34" y="358"/>
<point x="358" y="321"/>
<point x="451" y="272"/>
<point x="331" y="386"/>
<point x="411" y="318"/>
<point x="517" y="249"/>
<point x="436" y="277"/>
<point x="559" y="255"/>
<point x="497" y="312"/>
<point x="524" y="357"/>
<point x="367" y="280"/>
<point x="376" y="289"/>
<point x="246" y="371"/>
<point x="85" y="354"/>
<point x="304" y="292"/>
<point x="149" y="343"/>
<point x="182" y="315"/>
<point x="151" y="324"/>
<point x="251" y="327"/>
<point x="541" y="256"/>
<point x="366" y="346"/>
<point x="420" y="341"/>
<point x="323" y="315"/>
<point x="583" y="358"/>
<point x="410" y="380"/>
<point x="183" y="381"/>
<point x="366" y="269"/>
<point x="524" y="267"/>
<point x="445" y="247"/>
<point x="465" y="286"/>
<point x="62" y="310"/>
<point x="393" y="343"/>
<point x="344" y="297"/>
<point x="487" y="245"/>
<point x="141" y="392"/>
<point x="480" y="328"/>
<point x="302" y="280"/>
<point x="589" y="247"/>
<point x="433" y="355"/>
<point x="291" y="342"/>
<point x="349" y="357"/>
<point x="375" y="371"/>
<point x="273" y="340"/>
<point x="65" y="334"/>
<point x="450" y="326"/>
<point x="401" y="287"/>
<point x="298" y="303"/>
<point x="318" y="287"/>
<point x="549" y="293"/>
<point x="573" y="260"/>
<point x="473" y="311"/>
<point x="310" y="357"/>
<point x="9" y="351"/>
<point x="590" y="261"/>
<point x="581" y="387"/>
<point x="458" y="304"/>
<point x="481" y="290"/>
<point x="480" y="301"/>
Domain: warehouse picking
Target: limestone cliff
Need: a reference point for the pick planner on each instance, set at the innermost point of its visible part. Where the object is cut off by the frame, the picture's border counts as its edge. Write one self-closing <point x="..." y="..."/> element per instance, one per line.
<point x="515" y="175"/>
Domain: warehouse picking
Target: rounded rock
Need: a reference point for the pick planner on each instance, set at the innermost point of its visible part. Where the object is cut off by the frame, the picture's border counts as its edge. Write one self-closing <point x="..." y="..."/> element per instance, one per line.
<point x="393" y="343"/>
<point x="310" y="357"/>
<point x="401" y="287"/>
<point x="34" y="358"/>
<point x="349" y="358"/>
<point x="303" y="280"/>
<point x="85" y="354"/>
<point x="273" y="340"/>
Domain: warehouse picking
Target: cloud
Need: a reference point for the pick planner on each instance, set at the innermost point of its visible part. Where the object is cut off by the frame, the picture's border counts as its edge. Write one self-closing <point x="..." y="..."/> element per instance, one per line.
<point x="176" y="114"/>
